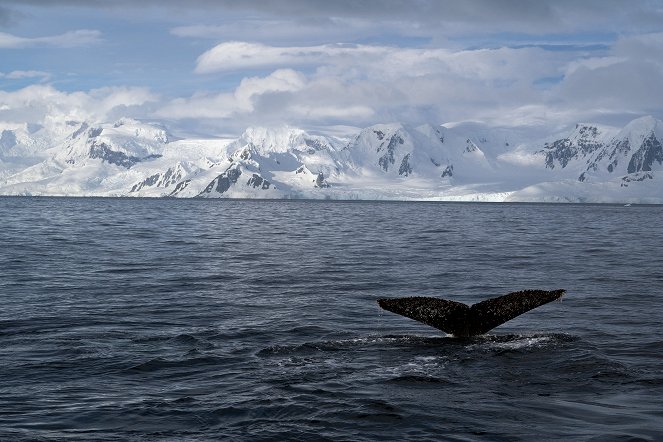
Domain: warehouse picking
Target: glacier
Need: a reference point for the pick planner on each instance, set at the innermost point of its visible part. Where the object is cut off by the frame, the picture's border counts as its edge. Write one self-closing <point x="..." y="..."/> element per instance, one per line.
<point x="469" y="161"/>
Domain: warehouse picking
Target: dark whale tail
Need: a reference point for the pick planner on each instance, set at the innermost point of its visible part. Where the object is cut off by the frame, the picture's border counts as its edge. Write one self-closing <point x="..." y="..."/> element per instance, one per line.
<point x="458" y="319"/>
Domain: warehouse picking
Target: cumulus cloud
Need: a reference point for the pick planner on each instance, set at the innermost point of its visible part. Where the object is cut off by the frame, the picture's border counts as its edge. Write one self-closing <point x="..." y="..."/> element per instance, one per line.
<point x="43" y="104"/>
<point x="359" y="82"/>
<point x="242" y="101"/>
<point x="82" y="37"/>
<point x="282" y="80"/>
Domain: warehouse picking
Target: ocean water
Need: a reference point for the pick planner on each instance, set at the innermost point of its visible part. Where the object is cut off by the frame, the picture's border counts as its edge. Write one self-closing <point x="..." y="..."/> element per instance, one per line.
<point x="162" y="319"/>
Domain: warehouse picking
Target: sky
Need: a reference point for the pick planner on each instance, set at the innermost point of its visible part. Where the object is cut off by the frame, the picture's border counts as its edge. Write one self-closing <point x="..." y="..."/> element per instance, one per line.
<point x="216" y="67"/>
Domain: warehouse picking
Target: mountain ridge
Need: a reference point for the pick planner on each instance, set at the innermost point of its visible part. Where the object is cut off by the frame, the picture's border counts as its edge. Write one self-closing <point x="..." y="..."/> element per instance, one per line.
<point x="461" y="162"/>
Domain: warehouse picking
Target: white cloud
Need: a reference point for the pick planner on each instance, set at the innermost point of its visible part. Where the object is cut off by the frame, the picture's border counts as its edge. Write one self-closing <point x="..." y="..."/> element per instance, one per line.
<point x="323" y="112"/>
<point x="361" y="84"/>
<point x="199" y="106"/>
<point x="82" y="37"/>
<point x="238" y="55"/>
<point x="241" y="101"/>
<point x="43" y="104"/>
<point x="384" y="62"/>
<point x="282" y="80"/>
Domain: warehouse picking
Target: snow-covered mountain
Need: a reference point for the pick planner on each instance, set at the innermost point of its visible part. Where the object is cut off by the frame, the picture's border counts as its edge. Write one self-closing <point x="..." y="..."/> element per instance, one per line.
<point x="603" y="164"/>
<point x="467" y="161"/>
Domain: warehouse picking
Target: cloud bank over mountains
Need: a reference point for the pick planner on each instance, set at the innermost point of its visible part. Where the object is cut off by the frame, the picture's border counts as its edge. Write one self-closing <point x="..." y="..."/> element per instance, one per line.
<point x="216" y="67"/>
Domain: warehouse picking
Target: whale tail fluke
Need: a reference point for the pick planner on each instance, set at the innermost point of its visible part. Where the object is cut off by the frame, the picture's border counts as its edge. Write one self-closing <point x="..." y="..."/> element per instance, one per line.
<point x="458" y="319"/>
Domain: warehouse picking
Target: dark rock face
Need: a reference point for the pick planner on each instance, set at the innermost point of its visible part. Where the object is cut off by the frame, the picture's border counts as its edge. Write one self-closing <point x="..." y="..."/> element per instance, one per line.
<point x="621" y="149"/>
<point x="470" y="146"/>
<point x="641" y="158"/>
<point x="147" y="182"/>
<point x="320" y="181"/>
<point x="388" y="158"/>
<point x="635" y="177"/>
<point x="227" y="179"/>
<point x="649" y="152"/>
<point x="565" y="150"/>
<point x="561" y="151"/>
<point x="180" y="187"/>
<point x="171" y="176"/>
<point x="256" y="181"/>
<point x="104" y="152"/>
<point x="316" y="145"/>
<point x="223" y="182"/>
<point x="95" y="132"/>
<point x="405" y="168"/>
<point x="448" y="172"/>
<point x="80" y="130"/>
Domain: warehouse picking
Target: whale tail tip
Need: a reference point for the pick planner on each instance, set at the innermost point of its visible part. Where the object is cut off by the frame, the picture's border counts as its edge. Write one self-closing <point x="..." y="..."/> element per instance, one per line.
<point x="459" y="319"/>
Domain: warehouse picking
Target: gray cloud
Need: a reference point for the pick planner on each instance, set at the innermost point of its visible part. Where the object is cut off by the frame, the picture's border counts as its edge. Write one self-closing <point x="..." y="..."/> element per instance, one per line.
<point x="7" y="16"/>
<point x="81" y="37"/>
<point x="631" y="84"/>
<point x="551" y="16"/>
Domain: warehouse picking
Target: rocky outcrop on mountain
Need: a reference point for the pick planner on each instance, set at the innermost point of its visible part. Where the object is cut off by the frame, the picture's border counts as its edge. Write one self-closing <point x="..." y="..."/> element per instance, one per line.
<point x="222" y="183"/>
<point x="105" y="153"/>
<point x="582" y="143"/>
<point x="172" y="176"/>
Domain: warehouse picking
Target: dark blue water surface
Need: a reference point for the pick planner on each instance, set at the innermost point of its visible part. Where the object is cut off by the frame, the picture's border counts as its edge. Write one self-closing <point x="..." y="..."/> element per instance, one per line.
<point x="253" y="320"/>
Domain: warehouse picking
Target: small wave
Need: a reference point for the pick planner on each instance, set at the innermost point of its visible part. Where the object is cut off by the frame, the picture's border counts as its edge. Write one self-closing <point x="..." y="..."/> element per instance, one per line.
<point x="308" y="330"/>
<point x="419" y="379"/>
<point x="503" y="342"/>
<point x="184" y="340"/>
<point x="517" y="342"/>
<point x="591" y="365"/>
<point x="650" y="382"/>
<point x="523" y="343"/>
<point x="342" y="344"/>
<point x="157" y="364"/>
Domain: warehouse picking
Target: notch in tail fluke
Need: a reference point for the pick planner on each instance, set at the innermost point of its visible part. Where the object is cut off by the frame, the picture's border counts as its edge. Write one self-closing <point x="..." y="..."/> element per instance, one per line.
<point x="459" y="319"/>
